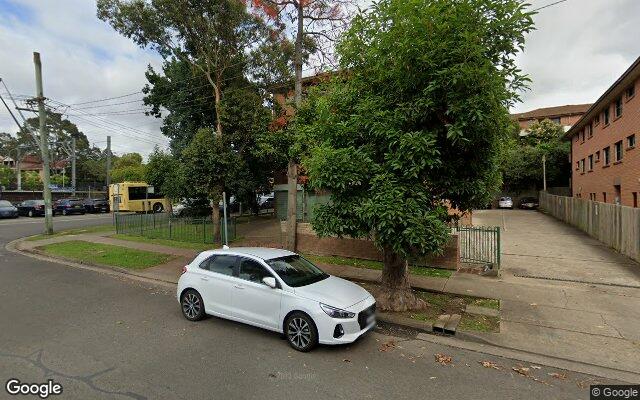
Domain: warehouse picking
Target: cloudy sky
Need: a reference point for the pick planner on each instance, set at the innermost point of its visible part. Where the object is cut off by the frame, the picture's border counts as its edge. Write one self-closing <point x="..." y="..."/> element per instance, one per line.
<point x="579" y="48"/>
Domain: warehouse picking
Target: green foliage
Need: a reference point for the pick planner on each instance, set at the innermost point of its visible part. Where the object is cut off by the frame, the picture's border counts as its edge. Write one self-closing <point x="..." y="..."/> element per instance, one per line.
<point x="416" y="122"/>
<point x="165" y="172"/>
<point x="128" y="167"/>
<point x="7" y="176"/>
<point x="521" y="164"/>
<point x="31" y="180"/>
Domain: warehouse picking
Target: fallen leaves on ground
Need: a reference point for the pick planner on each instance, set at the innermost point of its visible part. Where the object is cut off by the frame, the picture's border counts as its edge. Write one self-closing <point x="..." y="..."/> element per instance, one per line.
<point x="346" y="360"/>
<point x="557" y="375"/>
<point x="443" y="359"/>
<point x="524" y="371"/>
<point x="490" y="364"/>
<point x="387" y="346"/>
<point x="521" y="370"/>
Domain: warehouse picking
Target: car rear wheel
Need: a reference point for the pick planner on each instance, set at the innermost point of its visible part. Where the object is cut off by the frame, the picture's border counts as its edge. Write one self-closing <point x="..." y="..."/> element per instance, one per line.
<point x="192" y="305"/>
<point x="301" y="332"/>
<point x="158" y="208"/>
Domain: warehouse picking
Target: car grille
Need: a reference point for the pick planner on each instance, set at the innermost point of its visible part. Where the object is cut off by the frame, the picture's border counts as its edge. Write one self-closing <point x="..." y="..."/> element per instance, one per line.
<point x="364" y="314"/>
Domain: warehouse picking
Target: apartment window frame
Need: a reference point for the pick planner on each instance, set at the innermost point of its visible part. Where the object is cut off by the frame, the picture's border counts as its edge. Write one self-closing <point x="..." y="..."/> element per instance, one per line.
<point x="589" y="130"/>
<point x="582" y="136"/>
<point x="618" y="151"/>
<point x="596" y="120"/>
<point x="606" y="156"/>
<point x="582" y="166"/>
<point x="606" y="116"/>
<point x="590" y="162"/>
<point x="617" y="107"/>
<point x="631" y="141"/>
<point x="630" y="91"/>
<point x="597" y="156"/>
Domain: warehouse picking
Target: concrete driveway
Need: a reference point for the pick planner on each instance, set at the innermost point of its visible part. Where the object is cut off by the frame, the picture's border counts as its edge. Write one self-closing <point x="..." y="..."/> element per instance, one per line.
<point x="535" y="245"/>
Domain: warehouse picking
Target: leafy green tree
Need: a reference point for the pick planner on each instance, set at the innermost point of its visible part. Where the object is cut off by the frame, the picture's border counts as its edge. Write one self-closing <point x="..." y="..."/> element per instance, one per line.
<point x="414" y="124"/>
<point x="521" y="164"/>
<point x="7" y="176"/>
<point x="165" y="172"/>
<point x="31" y="181"/>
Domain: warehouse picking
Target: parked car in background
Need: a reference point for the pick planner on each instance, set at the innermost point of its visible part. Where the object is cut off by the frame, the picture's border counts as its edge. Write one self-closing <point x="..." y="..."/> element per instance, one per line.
<point x="196" y="207"/>
<point x="8" y="210"/>
<point x="529" y="203"/>
<point x="505" y="202"/>
<point x="266" y="201"/>
<point x="277" y="290"/>
<point x="31" y="208"/>
<point x="96" y="205"/>
<point x="68" y="206"/>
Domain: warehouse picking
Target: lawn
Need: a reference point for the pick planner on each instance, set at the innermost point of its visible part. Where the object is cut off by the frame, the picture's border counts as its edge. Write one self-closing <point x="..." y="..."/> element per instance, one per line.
<point x="165" y="242"/>
<point x="77" y="231"/>
<point x="370" y="264"/>
<point x="97" y="253"/>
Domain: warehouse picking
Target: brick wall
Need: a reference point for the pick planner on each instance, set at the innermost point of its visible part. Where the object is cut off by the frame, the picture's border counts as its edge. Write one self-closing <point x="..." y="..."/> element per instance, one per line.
<point x="309" y="242"/>
<point x="617" y="178"/>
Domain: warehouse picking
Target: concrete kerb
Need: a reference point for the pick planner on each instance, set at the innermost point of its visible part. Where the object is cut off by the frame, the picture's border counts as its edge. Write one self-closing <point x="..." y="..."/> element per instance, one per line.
<point x="462" y="340"/>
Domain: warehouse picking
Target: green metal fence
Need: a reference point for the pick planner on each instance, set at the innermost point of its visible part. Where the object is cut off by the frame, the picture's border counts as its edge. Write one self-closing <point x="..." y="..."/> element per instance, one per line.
<point x="165" y="226"/>
<point x="479" y="245"/>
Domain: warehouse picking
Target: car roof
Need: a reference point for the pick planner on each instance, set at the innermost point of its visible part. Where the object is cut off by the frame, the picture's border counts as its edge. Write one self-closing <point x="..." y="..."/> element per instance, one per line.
<point x="264" y="253"/>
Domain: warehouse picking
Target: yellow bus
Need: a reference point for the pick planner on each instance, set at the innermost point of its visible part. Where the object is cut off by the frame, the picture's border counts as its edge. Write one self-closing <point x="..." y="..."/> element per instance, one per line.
<point x="137" y="197"/>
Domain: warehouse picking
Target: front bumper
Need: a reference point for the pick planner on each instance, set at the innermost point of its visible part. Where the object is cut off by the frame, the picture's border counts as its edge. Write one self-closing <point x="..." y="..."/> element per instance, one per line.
<point x="8" y="214"/>
<point x="352" y="327"/>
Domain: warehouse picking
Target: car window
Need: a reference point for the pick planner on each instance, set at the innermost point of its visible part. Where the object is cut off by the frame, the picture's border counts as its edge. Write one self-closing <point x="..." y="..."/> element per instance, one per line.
<point x="252" y="271"/>
<point x="296" y="271"/>
<point x="4" y="203"/>
<point x="220" y="263"/>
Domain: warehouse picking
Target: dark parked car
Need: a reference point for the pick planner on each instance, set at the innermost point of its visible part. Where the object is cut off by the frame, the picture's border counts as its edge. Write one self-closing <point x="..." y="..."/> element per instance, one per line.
<point x="31" y="208"/>
<point x="529" y="203"/>
<point x="96" y="205"/>
<point x="7" y="210"/>
<point x="68" y="206"/>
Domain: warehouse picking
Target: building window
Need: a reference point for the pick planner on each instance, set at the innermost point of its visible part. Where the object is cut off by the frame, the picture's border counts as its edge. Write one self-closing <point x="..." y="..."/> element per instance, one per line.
<point x="598" y="156"/>
<point x="631" y="141"/>
<point x="590" y="162"/>
<point x="596" y="120"/>
<point x="556" y="120"/>
<point x="618" y="150"/>
<point x="635" y="200"/>
<point x="577" y="165"/>
<point x="618" y="107"/>
<point x="589" y="130"/>
<point x="605" y="116"/>
<point x="582" y="136"/>
<point x="604" y="199"/>
<point x="582" y="165"/>
<point x="606" y="154"/>
<point x="631" y="91"/>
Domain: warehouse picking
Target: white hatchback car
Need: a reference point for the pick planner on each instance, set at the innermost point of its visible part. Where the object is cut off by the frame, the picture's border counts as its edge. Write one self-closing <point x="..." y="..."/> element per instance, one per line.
<point x="276" y="290"/>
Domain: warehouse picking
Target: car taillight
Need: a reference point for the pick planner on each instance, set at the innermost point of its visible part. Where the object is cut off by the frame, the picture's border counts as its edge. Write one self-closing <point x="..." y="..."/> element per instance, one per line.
<point x="184" y="269"/>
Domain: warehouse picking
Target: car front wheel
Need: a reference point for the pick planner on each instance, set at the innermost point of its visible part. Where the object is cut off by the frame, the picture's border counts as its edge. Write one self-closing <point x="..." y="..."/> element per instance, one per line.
<point x="301" y="332"/>
<point x="192" y="305"/>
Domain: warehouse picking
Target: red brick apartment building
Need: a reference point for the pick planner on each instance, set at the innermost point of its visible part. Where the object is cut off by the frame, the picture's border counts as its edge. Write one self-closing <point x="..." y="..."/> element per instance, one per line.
<point x="562" y="115"/>
<point x="605" y="161"/>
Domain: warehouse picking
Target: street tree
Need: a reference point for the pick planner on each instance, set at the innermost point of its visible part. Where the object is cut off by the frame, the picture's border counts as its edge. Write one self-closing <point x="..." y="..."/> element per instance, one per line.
<point x="413" y="125"/>
<point x="317" y="25"/>
<point x="128" y="167"/>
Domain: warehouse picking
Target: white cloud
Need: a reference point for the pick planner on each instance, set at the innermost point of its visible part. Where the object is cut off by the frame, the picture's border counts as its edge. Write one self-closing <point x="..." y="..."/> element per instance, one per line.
<point x="83" y="59"/>
<point x="579" y="48"/>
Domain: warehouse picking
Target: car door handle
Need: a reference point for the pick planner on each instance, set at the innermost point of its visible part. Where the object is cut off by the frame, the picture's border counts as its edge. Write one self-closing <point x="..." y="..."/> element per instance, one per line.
<point x="238" y="286"/>
<point x="204" y="278"/>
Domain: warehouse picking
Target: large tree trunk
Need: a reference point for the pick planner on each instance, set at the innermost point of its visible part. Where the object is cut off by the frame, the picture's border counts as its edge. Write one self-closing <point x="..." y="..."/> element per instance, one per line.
<point x="395" y="292"/>
<point x="292" y="194"/>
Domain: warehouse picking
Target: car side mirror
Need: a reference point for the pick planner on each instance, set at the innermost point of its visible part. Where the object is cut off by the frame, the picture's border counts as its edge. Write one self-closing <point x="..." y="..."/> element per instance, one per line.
<point x="270" y="281"/>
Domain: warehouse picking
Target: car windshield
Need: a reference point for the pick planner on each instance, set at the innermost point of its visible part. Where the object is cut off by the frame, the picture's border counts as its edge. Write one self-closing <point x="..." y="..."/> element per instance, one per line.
<point x="4" y="203"/>
<point x="295" y="271"/>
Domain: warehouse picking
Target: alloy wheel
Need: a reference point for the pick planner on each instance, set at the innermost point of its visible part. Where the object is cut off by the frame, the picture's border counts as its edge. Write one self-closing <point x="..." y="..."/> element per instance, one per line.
<point x="299" y="333"/>
<point x="191" y="305"/>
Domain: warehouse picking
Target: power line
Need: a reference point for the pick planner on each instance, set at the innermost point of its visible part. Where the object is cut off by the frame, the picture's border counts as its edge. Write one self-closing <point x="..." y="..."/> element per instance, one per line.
<point x="549" y="5"/>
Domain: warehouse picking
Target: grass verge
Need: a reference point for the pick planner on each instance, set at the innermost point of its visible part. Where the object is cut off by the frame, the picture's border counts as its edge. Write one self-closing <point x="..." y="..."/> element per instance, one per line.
<point x="370" y="264"/>
<point x="97" y="253"/>
<point x="165" y="242"/>
<point x="77" y="231"/>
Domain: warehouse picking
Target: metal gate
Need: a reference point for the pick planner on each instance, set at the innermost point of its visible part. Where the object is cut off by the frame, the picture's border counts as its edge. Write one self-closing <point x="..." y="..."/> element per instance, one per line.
<point x="479" y="245"/>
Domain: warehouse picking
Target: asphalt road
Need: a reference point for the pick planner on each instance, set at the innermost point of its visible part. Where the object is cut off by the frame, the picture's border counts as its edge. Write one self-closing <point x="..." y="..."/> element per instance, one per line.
<point x="105" y="337"/>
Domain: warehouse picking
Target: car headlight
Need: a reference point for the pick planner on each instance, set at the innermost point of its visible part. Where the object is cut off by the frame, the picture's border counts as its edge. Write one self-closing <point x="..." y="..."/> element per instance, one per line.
<point x="336" y="312"/>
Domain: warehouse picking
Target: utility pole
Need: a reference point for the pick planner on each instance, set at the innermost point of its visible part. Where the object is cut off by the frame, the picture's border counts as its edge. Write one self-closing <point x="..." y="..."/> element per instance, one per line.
<point x="108" y="162"/>
<point x="44" y="147"/>
<point x="73" y="165"/>
<point x="18" y="173"/>
<point x="544" y="172"/>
